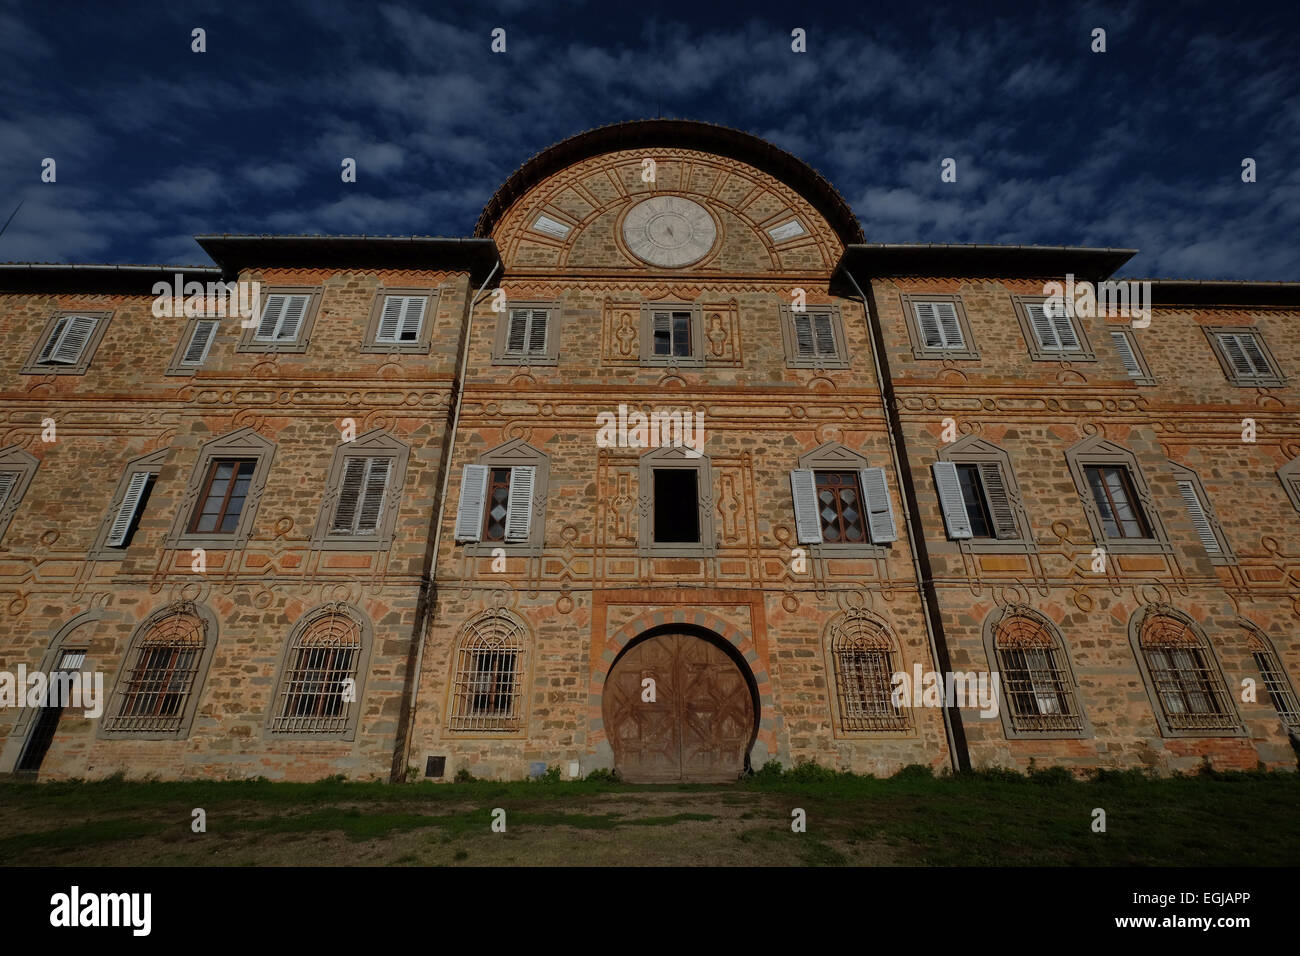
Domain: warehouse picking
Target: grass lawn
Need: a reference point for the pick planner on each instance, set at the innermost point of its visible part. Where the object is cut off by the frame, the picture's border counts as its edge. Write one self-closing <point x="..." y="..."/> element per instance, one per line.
<point x="910" y="819"/>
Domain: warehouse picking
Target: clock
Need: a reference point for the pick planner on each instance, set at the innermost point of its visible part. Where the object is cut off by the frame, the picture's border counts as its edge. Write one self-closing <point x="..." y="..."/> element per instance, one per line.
<point x="669" y="231"/>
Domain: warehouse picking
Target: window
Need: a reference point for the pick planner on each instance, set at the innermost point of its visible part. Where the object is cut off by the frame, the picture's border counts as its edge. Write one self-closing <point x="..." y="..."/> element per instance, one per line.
<point x="319" y="690"/>
<point x="1116" y="500"/>
<point x="1244" y="356"/>
<point x="864" y="661"/>
<point x="676" y="503"/>
<point x="195" y="343"/>
<point x="840" y="504"/>
<point x="35" y="727"/>
<point x="814" y="338"/>
<point x="1201" y="514"/>
<point x="67" y="343"/>
<point x="1187" y="689"/>
<point x="225" y="487"/>
<point x="503" y="498"/>
<point x="979" y="497"/>
<point x="157" y="689"/>
<point x="672" y="335"/>
<point x="16" y="470"/>
<point x="528" y="334"/>
<point x="401" y="320"/>
<point x="1288" y="474"/>
<point x="1281" y="693"/>
<point x="130" y="499"/>
<point x="285" y="324"/>
<point x="938" y="327"/>
<point x="1135" y="365"/>
<point x="362" y="493"/>
<point x="487" y="688"/>
<point x="1038" y="685"/>
<point x="1050" y="332"/>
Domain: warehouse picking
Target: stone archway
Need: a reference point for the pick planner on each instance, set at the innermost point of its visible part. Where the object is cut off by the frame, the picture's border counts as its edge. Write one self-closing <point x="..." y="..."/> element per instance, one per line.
<point x="695" y="723"/>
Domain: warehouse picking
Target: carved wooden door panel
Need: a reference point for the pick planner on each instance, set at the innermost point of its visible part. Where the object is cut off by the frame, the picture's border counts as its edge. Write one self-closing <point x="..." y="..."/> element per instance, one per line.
<point x="698" y="726"/>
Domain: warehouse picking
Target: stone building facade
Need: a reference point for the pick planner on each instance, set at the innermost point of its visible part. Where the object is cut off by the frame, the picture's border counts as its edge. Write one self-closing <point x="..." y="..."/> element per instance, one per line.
<point x="666" y="470"/>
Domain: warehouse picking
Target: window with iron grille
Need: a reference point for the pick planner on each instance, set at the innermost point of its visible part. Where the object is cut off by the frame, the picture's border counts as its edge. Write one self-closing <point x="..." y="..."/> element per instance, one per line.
<point x="1281" y="694"/>
<point x="488" y="684"/>
<point x="1184" y="676"/>
<point x="1037" y="685"/>
<point x="864" y="663"/>
<point x="155" y="692"/>
<point x="319" y="691"/>
<point x="224" y="492"/>
<point x="1244" y="356"/>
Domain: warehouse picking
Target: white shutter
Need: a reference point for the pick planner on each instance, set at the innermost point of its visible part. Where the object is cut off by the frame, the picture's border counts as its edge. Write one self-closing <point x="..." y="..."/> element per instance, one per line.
<point x="880" y="509"/>
<point x="8" y="481"/>
<point x="126" y="511"/>
<point x="537" y="332"/>
<point x="391" y="318"/>
<point x="1200" y="521"/>
<point x="1064" y="328"/>
<point x="807" y="522"/>
<point x="412" y="318"/>
<point x="951" y="501"/>
<point x="824" y="329"/>
<point x="1044" y="330"/>
<point x="196" y="352"/>
<point x="517" y="336"/>
<point x="271" y="313"/>
<point x="803" y="335"/>
<point x="372" y="500"/>
<point x="53" y="341"/>
<point x="295" y="308"/>
<point x="946" y="314"/>
<point x="469" y="510"/>
<point x="1255" y="355"/>
<point x="995" y="491"/>
<point x="519" y="507"/>
<point x="350" y="491"/>
<point x="927" y="320"/>
<point x="1125" y="349"/>
<point x="74" y="339"/>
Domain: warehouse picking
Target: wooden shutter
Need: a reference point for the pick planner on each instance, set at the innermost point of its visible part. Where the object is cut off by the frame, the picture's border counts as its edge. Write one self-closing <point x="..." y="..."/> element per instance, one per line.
<point x="271" y="313"/>
<point x="8" y="482"/>
<point x="1126" y="355"/>
<point x="196" y="352"/>
<point x="517" y="335"/>
<point x="391" y="318"/>
<point x="127" y="509"/>
<point x="350" y="491"/>
<point x="412" y="318"/>
<point x="995" y="491"/>
<point x="1044" y="330"/>
<point x="53" y="341"/>
<point x="927" y="320"/>
<point x="951" y="501"/>
<point x="469" y="510"/>
<point x="946" y="314"/>
<point x="519" y="506"/>
<point x="295" y="308"/>
<point x="824" y="328"/>
<point x="74" y="339"/>
<point x="1255" y="355"/>
<point x="663" y="325"/>
<point x="807" y="522"/>
<point x="1200" y="520"/>
<point x="803" y="334"/>
<point x="880" y="510"/>
<point x="537" y="332"/>
<point x="372" y="500"/>
<point x="1064" y="328"/>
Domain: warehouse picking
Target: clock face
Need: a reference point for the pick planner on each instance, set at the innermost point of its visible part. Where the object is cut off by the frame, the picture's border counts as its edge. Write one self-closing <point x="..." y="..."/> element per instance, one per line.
<point x="669" y="231"/>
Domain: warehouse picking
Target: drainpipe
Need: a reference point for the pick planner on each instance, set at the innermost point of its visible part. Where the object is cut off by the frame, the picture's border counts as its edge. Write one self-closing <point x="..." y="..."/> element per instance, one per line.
<point x="952" y="725"/>
<point x="428" y="586"/>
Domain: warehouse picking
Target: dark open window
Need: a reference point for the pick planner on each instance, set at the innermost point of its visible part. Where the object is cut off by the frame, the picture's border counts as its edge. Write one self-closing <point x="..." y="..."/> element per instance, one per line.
<point x="1112" y="489"/>
<point x="972" y="493"/>
<point x="672" y="333"/>
<point x="224" y="493"/>
<point x="839" y="504"/>
<point x="676" y="505"/>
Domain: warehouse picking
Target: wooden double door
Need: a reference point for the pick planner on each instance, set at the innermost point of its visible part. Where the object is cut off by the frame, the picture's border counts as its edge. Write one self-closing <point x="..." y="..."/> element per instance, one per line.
<point x="699" y="724"/>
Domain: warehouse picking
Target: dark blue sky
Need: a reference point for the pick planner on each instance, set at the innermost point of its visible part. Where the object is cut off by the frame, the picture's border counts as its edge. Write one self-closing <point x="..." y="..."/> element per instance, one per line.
<point x="1138" y="147"/>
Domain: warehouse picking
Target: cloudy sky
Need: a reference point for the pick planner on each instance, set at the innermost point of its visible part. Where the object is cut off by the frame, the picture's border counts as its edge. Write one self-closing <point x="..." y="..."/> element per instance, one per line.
<point x="1140" y="146"/>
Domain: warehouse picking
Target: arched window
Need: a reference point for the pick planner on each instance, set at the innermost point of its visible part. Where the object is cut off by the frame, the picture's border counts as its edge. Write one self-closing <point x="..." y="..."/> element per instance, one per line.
<point x="1183" y="675"/>
<point x="1038" y="688"/>
<point x="487" y="691"/>
<point x="319" y="690"/>
<point x="157" y="689"/>
<point x="1281" y="692"/>
<point x="864" y="661"/>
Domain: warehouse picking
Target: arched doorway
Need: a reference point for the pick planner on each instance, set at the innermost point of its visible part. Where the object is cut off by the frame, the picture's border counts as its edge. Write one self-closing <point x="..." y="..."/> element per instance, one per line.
<point x="700" y="724"/>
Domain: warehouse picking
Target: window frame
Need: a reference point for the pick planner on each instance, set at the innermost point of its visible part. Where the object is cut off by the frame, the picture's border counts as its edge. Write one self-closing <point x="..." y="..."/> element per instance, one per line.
<point x="189" y="327"/>
<point x="1288" y="475"/>
<point x="833" y="456"/>
<point x="666" y="458"/>
<point x="100" y="550"/>
<point x="789" y="338"/>
<point x="972" y="450"/>
<point x="15" y="458"/>
<point x="1098" y="451"/>
<point x="1138" y="623"/>
<point x="248" y="341"/>
<point x="858" y="626"/>
<point x="375" y="443"/>
<point x="33" y="366"/>
<point x="1037" y="352"/>
<point x="492" y="628"/>
<point x="421" y="344"/>
<point x="993" y="623"/>
<point x="696" y="326"/>
<point x="1273" y="380"/>
<point x="1182" y="473"/>
<point x="501" y="354"/>
<point x="1260" y="644"/>
<point x="360" y="670"/>
<point x="512" y="454"/>
<point x="243" y="443"/>
<point x="919" y="349"/>
<point x="1144" y="376"/>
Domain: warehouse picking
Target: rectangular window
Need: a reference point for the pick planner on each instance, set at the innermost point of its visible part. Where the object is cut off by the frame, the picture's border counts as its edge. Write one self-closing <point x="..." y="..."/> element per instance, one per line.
<point x="67" y="340"/>
<point x="972" y="493"/>
<point x="1112" y="490"/>
<point x="528" y="333"/>
<point x="196" y="350"/>
<point x="361" y="496"/>
<point x="1052" y="327"/>
<point x="401" y="318"/>
<point x="497" y="511"/>
<point x="676" y="506"/>
<point x="128" y="514"/>
<point x="938" y="324"/>
<point x="1245" y="354"/>
<point x="313" y="688"/>
<point x="839" y="504"/>
<point x="491" y="683"/>
<point x="672" y="333"/>
<point x="282" y="317"/>
<point x="224" y="493"/>
<point x="814" y="334"/>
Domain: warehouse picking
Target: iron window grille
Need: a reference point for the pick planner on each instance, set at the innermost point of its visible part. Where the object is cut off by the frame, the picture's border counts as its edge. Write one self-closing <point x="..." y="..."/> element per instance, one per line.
<point x="487" y="689"/>
<point x="318" y="693"/>
<point x="1036" y="684"/>
<point x="159" y="678"/>
<point x="864" y="660"/>
<point x="1186" y="679"/>
<point x="1280" y="692"/>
